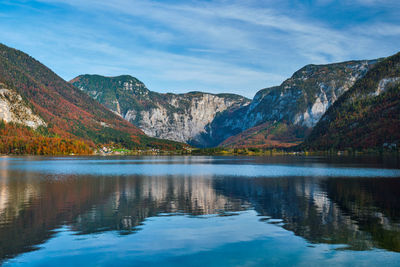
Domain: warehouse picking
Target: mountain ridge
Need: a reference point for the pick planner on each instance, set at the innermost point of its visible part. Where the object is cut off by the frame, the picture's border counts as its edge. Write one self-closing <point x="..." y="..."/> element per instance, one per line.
<point x="277" y="116"/>
<point x="179" y="117"/>
<point x="297" y="105"/>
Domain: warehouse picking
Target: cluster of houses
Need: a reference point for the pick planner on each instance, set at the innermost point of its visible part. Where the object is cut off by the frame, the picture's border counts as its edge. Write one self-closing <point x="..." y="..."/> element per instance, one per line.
<point x="112" y="151"/>
<point x="391" y="146"/>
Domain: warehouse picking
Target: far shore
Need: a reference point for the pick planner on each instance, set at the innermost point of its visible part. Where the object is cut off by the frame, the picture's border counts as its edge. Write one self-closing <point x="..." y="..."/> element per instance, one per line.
<point x="222" y="152"/>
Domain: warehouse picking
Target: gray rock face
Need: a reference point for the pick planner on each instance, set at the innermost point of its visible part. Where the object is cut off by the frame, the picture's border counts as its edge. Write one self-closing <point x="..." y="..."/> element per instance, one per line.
<point x="301" y="100"/>
<point x="179" y="117"/>
<point x="195" y="111"/>
<point x="384" y="84"/>
<point x="14" y="109"/>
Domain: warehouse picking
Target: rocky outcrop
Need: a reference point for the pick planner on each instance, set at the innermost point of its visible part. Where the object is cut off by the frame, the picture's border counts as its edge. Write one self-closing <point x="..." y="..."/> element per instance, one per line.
<point x="187" y="121"/>
<point x="384" y="84"/>
<point x="14" y="109"/>
<point x="179" y="117"/>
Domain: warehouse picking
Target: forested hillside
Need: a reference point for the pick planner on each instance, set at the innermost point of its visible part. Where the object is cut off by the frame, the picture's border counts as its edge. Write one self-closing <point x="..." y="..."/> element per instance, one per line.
<point x="19" y="139"/>
<point x="67" y="112"/>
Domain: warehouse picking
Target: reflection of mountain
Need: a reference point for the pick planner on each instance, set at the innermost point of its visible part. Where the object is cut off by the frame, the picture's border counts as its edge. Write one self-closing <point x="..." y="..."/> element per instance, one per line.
<point x="360" y="213"/>
<point x="32" y="207"/>
<point x="141" y="197"/>
<point x="374" y="204"/>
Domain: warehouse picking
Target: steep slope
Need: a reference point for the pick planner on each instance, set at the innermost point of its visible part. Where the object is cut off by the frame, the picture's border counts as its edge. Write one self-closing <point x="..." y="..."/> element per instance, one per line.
<point x="64" y="110"/>
<point x="288" y="111"/>
<point x="180" y="117"/>
<point x="366" y="116"/>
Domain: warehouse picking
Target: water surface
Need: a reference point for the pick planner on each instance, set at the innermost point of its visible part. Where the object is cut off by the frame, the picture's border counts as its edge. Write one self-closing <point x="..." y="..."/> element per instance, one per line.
<point x="216" y="211"/>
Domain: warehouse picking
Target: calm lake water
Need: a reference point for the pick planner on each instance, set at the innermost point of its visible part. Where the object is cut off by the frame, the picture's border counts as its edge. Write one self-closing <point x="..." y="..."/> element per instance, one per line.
<point x="200" y="211"/>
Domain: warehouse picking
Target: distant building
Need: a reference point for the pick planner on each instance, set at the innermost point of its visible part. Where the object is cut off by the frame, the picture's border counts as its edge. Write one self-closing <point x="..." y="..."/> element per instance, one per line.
<point x="390" y="145"/>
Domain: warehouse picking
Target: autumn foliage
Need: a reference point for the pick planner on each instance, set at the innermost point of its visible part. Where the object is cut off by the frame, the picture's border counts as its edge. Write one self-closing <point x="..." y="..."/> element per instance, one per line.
<point x="18" y="139"/>
<point x="268" y="135"/>
<point x="68" y="112"/>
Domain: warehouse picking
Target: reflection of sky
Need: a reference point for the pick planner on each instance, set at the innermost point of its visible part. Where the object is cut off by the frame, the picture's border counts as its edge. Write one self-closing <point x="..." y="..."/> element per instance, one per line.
<point x="201" y="166"/>
<point x="183" y="240"/>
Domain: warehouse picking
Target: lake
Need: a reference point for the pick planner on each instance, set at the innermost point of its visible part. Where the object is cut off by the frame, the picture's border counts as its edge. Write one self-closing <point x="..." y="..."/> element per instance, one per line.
<point x="200" y="211"/>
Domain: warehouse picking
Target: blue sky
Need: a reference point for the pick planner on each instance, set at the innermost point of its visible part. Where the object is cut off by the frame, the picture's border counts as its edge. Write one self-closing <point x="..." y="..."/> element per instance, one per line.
<point x="215" y="46"/>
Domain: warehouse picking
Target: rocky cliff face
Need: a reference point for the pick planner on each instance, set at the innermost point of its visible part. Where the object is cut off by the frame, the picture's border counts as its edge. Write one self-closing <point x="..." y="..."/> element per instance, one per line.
<point x="179" y="117"/>
<point x="14" y="109"/>
<point x="187" y="119"/>
<point x="297" y="104"/>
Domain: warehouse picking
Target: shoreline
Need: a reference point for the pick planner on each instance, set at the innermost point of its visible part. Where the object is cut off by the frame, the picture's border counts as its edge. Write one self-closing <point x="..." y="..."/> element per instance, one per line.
<point x="223" y="153"/>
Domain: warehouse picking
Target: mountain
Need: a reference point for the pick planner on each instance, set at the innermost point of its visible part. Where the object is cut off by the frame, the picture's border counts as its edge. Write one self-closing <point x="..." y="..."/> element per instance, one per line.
<point x="366" y="116"/>
<point x="282" y="116"/>
<point x="179" y="117"/>
<point x="32" y="95"/>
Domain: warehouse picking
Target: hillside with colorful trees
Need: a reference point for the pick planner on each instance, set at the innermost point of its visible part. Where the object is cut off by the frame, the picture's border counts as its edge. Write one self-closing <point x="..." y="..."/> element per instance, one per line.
<point x="367" y="116"/>
<point x="22" y="140"/>
<point x="268" y="135"/>
<point x="69" y="113"/>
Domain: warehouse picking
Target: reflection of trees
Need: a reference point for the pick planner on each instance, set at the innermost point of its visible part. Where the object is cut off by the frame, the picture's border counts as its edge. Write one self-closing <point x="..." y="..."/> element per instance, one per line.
<point x="326" y="210"/>
<point x="33" y="206"/>
<point x="374" y="204"/>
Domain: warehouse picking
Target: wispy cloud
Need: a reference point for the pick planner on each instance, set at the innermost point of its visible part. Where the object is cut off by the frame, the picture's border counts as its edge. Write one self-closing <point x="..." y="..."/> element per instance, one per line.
<point x="233" y="46"/>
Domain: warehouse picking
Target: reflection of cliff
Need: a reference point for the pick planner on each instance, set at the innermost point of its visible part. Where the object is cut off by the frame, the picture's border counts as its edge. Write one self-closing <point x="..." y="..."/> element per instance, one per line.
<point x="137" y="199"/>
<point x="326" y="211"/>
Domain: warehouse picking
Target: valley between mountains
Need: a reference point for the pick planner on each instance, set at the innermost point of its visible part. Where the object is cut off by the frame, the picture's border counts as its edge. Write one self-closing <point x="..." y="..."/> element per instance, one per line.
<point x="349" y="105"/>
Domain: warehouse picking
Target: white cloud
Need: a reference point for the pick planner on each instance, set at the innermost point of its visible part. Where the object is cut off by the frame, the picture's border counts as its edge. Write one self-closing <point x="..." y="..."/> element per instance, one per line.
<point x="218" y="45"/>
<point x="234" y="26"/>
